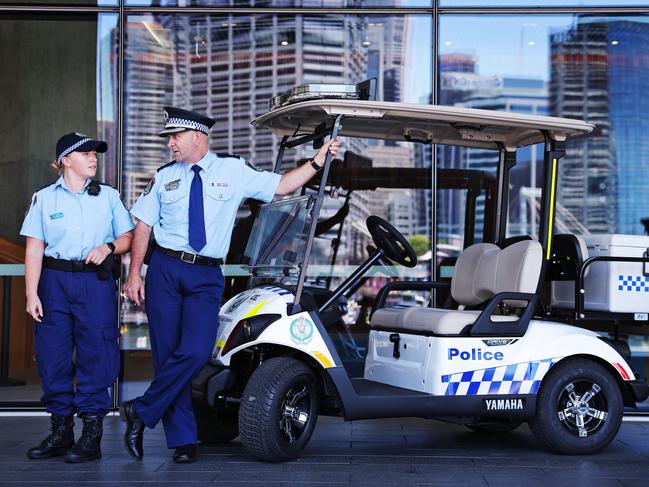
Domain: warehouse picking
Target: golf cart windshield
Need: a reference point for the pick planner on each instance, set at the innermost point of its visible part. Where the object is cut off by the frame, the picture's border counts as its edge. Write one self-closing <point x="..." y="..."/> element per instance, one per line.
<point x="279" y="236"/>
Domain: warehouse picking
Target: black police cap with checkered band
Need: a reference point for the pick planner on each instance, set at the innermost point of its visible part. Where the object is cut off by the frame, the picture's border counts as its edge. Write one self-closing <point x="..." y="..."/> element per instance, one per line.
<point x="178" y="120"/>
<point x="76" y="142"/>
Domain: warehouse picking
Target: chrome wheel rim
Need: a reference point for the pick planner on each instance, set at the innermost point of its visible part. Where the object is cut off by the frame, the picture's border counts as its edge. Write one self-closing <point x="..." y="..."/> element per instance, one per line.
<point x="582" y="408"/>
<point x="295" y="412"/>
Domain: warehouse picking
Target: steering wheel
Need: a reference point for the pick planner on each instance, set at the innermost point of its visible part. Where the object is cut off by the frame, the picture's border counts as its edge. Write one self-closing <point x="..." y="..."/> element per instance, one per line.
<point x="391" y="242"/>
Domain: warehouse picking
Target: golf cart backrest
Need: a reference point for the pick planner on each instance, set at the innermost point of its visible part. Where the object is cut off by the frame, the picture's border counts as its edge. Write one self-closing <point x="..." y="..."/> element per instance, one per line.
<point x="484" y="270"/>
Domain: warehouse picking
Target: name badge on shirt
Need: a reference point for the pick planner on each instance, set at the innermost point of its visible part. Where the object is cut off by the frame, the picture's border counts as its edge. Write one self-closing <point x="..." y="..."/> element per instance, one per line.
<point x="56" y="216"/>
<point x="171" y="185"/>
<point x="219" y="185"/>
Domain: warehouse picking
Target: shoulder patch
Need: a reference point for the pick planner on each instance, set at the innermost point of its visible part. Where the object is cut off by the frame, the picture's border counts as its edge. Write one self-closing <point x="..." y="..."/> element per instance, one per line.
<point x="253" y="167"/>
<point x="149" y="186"/>
<point x="32" y="203"/>
<point x="166" y="165"/>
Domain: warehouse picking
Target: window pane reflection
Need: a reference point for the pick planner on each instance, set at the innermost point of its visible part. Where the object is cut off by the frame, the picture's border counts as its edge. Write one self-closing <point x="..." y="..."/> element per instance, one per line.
<point x="45" y="95"/>
<point x="588" y="67"/>
<point x="228" y="67"/>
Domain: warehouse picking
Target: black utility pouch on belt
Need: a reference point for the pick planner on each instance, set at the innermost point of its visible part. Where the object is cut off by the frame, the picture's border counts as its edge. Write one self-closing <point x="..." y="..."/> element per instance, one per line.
<point x="110" y="267"/>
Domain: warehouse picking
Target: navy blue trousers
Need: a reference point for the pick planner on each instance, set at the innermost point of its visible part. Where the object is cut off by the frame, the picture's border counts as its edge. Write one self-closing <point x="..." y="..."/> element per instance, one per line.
<point x="182" y="304"/>
<point x="80" y="316"/>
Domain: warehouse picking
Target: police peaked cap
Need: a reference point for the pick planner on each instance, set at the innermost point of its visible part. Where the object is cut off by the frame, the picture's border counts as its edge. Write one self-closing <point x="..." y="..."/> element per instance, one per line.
<point x="76" y="142"/>
<point x="177" y="120"/>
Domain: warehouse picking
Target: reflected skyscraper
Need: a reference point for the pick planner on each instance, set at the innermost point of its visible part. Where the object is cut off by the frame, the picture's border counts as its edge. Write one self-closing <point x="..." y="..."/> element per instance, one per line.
<point x="579" y="88"/>
<point x="461" y="85"/>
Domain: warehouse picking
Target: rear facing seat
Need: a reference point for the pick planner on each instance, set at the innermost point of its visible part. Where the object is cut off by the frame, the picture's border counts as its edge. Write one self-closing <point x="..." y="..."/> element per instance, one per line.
<point x="482" y="271"/>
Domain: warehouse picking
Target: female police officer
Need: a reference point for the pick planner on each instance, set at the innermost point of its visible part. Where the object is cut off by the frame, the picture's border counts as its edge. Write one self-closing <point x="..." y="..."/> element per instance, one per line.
<point x="73" y="228"/>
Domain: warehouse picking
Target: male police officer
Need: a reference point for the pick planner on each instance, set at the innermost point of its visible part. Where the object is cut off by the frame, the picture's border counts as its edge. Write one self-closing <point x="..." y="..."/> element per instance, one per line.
<point x="191" y="204"/>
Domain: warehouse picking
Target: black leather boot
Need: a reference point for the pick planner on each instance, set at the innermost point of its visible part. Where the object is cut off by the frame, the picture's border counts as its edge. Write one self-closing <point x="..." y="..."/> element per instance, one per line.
<point x="57" y="443"/>
<point x="134" y="430"/>
<point x="88" y="446"/>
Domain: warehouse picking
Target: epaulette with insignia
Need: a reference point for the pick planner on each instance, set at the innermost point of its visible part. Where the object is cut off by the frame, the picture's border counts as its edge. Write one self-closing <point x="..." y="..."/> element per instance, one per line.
<point x="45" y="186"/>
<point x="166" y="165"/>
<point x="223" y="155"/>
<point x="110" y="185"/>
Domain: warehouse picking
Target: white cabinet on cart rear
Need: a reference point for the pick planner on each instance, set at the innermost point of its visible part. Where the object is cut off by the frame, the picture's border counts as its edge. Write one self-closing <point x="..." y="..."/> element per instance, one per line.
<point x="617" y="287"/>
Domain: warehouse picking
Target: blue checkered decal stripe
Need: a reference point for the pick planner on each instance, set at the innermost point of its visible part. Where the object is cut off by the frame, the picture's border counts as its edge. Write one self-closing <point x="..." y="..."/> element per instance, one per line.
<point x="523" y="378"/>
<point x="277" y="290"/>
<point x="638" y="284"/>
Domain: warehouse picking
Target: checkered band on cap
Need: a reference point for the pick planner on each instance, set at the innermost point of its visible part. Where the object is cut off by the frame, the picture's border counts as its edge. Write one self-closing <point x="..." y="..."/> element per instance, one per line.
<point x="72" y="148"/>
<point x="190" y="124"/>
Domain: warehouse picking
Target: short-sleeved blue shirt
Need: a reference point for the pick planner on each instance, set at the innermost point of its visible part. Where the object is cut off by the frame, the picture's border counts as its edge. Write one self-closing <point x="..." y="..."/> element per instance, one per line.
<point x="71" y="225"/>
<point x="227" y="180"/>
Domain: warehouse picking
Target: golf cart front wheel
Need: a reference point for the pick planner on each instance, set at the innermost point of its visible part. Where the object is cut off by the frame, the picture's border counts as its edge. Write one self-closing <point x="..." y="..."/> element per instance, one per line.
<point x="279" y="409"/>
<point x="579" y="408"/>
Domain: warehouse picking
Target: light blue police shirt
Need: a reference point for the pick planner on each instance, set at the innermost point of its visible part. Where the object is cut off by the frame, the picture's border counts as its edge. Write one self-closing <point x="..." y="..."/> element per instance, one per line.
<point x="164" y="204"/>
<point x="71" y="225"/>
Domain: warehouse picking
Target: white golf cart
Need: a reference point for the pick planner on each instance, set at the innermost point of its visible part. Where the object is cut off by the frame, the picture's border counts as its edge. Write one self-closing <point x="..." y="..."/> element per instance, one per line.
<point x="498" y="357"/>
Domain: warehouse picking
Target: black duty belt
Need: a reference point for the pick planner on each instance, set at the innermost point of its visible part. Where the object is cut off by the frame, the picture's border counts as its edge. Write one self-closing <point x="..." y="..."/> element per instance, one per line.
<point x="190" y="258"/>
<point x="68" y="265"/>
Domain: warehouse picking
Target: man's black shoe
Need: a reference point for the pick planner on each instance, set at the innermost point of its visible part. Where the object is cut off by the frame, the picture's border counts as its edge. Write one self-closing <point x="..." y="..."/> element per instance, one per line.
<point x="186" y="454"/>
<point x="134" y="430"/>
<point x="58" y="442"/>
<point x="88" y="447"/>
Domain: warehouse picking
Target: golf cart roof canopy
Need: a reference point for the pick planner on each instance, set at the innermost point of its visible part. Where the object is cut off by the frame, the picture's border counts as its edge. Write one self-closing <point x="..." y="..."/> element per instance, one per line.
<point x="466" y="127"/>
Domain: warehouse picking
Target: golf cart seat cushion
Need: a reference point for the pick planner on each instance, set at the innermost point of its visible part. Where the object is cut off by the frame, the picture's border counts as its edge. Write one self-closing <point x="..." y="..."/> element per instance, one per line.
<point x="429" y="320"/>
<point x="386" y="317"/>
<point x="516" y="268"/>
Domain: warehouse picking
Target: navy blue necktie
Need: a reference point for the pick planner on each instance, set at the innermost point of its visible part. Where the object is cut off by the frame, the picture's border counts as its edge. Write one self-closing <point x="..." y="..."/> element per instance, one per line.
<point x="197" y="238"/>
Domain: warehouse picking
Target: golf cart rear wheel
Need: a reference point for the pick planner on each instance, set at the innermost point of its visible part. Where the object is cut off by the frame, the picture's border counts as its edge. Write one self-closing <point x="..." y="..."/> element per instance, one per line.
<point x="279" y="409"/>
<point x="216" y="427"/>
<point x="495" y="427"/>
<point x="579" y="408"/>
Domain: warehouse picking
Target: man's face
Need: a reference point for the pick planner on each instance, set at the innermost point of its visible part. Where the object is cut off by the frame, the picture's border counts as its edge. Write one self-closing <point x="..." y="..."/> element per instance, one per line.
<point x="84" y="164"/>
<point x="184" y="146"/>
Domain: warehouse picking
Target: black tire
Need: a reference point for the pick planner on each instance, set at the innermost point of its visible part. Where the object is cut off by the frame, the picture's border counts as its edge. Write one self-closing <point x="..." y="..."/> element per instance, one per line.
<point x="495" y="427"/>
<point x="559" y="408"/>
<point x="269" y="430"/>
<point x="215" y="428"/>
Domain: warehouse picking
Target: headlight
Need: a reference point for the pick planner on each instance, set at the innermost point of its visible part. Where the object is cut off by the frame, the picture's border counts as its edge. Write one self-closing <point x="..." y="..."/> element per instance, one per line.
<point x="248" y="330"/>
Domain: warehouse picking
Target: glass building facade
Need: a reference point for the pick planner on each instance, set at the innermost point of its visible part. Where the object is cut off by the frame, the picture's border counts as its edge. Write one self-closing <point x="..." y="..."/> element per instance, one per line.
<point x="107" y="67"/>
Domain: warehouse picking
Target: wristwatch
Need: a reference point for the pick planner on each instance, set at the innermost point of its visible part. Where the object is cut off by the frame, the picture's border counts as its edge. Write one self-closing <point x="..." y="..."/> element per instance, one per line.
<point x="111" y="246"/>
<point x="315" y="165"/>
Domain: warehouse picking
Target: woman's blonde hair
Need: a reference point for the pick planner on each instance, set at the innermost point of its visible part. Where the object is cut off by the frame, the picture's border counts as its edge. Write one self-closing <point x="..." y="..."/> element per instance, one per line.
<point x="58" y="168"/>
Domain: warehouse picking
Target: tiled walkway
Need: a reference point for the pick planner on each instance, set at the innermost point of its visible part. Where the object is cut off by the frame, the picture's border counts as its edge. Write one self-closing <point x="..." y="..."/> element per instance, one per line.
<point x="400" y="452"/>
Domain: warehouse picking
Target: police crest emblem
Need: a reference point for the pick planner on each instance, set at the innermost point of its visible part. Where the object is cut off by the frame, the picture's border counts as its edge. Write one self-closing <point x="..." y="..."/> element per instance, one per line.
<point x="301" y="330"/>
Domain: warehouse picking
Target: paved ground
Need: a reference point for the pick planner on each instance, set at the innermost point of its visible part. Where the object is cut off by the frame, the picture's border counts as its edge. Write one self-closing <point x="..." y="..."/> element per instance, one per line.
<point x="378" y="453"/>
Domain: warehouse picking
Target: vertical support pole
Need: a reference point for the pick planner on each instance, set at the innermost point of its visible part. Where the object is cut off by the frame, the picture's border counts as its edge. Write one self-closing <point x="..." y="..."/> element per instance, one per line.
<point x="315" y="211"/>
<point x="506" y="160"/>
<point x="553" y="152"/>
